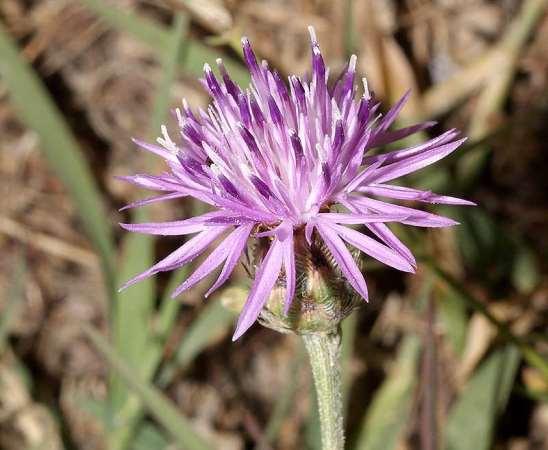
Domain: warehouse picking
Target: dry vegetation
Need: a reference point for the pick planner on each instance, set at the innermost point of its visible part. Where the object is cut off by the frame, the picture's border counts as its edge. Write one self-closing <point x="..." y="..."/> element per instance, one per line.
<point x="425" y="347"/>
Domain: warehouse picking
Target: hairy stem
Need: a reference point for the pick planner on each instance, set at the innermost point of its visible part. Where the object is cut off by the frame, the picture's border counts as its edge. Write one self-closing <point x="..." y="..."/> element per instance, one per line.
<point x="324" y="352"/>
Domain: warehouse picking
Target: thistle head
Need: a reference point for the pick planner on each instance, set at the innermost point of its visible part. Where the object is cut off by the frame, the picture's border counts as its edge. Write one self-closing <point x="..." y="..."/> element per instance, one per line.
<point x="293" y="167"/>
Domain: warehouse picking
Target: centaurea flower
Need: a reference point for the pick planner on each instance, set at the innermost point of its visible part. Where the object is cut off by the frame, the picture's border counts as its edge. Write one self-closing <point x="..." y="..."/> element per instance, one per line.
<point x="278" y="160"/>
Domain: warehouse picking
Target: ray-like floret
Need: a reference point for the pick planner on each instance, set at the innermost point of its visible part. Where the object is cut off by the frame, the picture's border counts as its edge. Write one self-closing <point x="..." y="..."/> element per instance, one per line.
<point x="274" y="158"/>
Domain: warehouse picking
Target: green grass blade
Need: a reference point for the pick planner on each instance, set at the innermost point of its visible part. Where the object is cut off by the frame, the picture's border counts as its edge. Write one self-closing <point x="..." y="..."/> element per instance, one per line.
<point x="155" y="35"/>
<point x="37" y="110"/>
<point x="454" y="319"/>
<point x="388" y="414"/>
<point x="169" y="307"/>
<point x="131" y="334"/>
<point x="149" y="437"/>
<point x="156" y="403"/>
<point x="172" y="50"/>
<point x="472" y="419"/>
<point x="134" y="307"/>
<point x="213" y="322"/>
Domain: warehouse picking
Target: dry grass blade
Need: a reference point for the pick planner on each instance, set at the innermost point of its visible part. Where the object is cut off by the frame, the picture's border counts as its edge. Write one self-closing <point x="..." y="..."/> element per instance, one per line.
<point x="498" y="65"/>
<point x="529" y="353"/>
<point x="14" y="297"/>
<point x="48" y="244"/>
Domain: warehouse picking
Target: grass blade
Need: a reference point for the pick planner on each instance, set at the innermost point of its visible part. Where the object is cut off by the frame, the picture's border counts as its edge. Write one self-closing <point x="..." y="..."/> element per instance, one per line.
<point x="390" y="408"/>
<point x="37" y="110"/>
<point x="135" y="306"/>
<point x="155" y="35"/>
<point x="159" y="406"/>
<point x="213" y="322"/>
<point x="145" y="30"/>
<point x="487" y="392"/>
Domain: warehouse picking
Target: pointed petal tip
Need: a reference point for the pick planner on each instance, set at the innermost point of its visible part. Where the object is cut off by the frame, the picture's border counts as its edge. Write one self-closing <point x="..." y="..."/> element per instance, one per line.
<point x="126" y="285"/>
<point x="244" y="40"/>
<point x="352" y="61"/>
<point x="312" y="33"/>
<point x="409" y="269"/>
<point x="240" y="330"/>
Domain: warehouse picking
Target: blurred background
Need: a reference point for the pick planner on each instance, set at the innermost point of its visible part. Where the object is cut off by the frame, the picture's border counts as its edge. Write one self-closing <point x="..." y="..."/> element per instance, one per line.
<point x="453" y="358"/>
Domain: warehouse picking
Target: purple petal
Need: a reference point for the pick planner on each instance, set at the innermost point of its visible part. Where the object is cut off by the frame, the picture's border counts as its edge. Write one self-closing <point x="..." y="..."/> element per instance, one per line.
<point x="392" y="114"/>
<point x="265" y="279"/>
<point x="257" y="113"/>
<point x="231" y="87"/>
<point x="215" y="258"/>
<point x="212" y="83"/>
<point x="405" y="193"/>
<point x="398" y="155"/>
<point x="184" y="254"/>
<point x="275" y="114"/>
<point x="415" y="217"/>
<point x="233" y="257"/>
<point x="392" y="136"/>
<point x="290" y="272"/>
<point x="192" y="134"/>
<point x="153" y="182"/>
<point x="250" y="58"/>
<point x="156" y="198"/>
<point x="357" y="218"/>
<point x="414" y="163"/>
<point x="373" y="248"/>
<point x="177" y="227"/>
<point x="363" y="176"/>
<point x="384" y="234"/>
<point x="343" y="258"/>
<point x="156" y="149"/>
<point x="298" y="91"/>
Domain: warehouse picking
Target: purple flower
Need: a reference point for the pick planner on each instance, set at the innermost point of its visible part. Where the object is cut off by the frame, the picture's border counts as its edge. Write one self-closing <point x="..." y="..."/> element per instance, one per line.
<point x="275" y="159"/>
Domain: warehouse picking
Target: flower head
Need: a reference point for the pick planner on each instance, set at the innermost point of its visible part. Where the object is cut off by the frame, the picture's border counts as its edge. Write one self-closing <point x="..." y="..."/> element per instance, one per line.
<point x="276" y="160"/>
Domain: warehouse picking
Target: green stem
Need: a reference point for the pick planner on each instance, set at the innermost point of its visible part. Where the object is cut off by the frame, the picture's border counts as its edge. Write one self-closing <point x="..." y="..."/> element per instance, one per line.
<point x="324" y="351"/>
